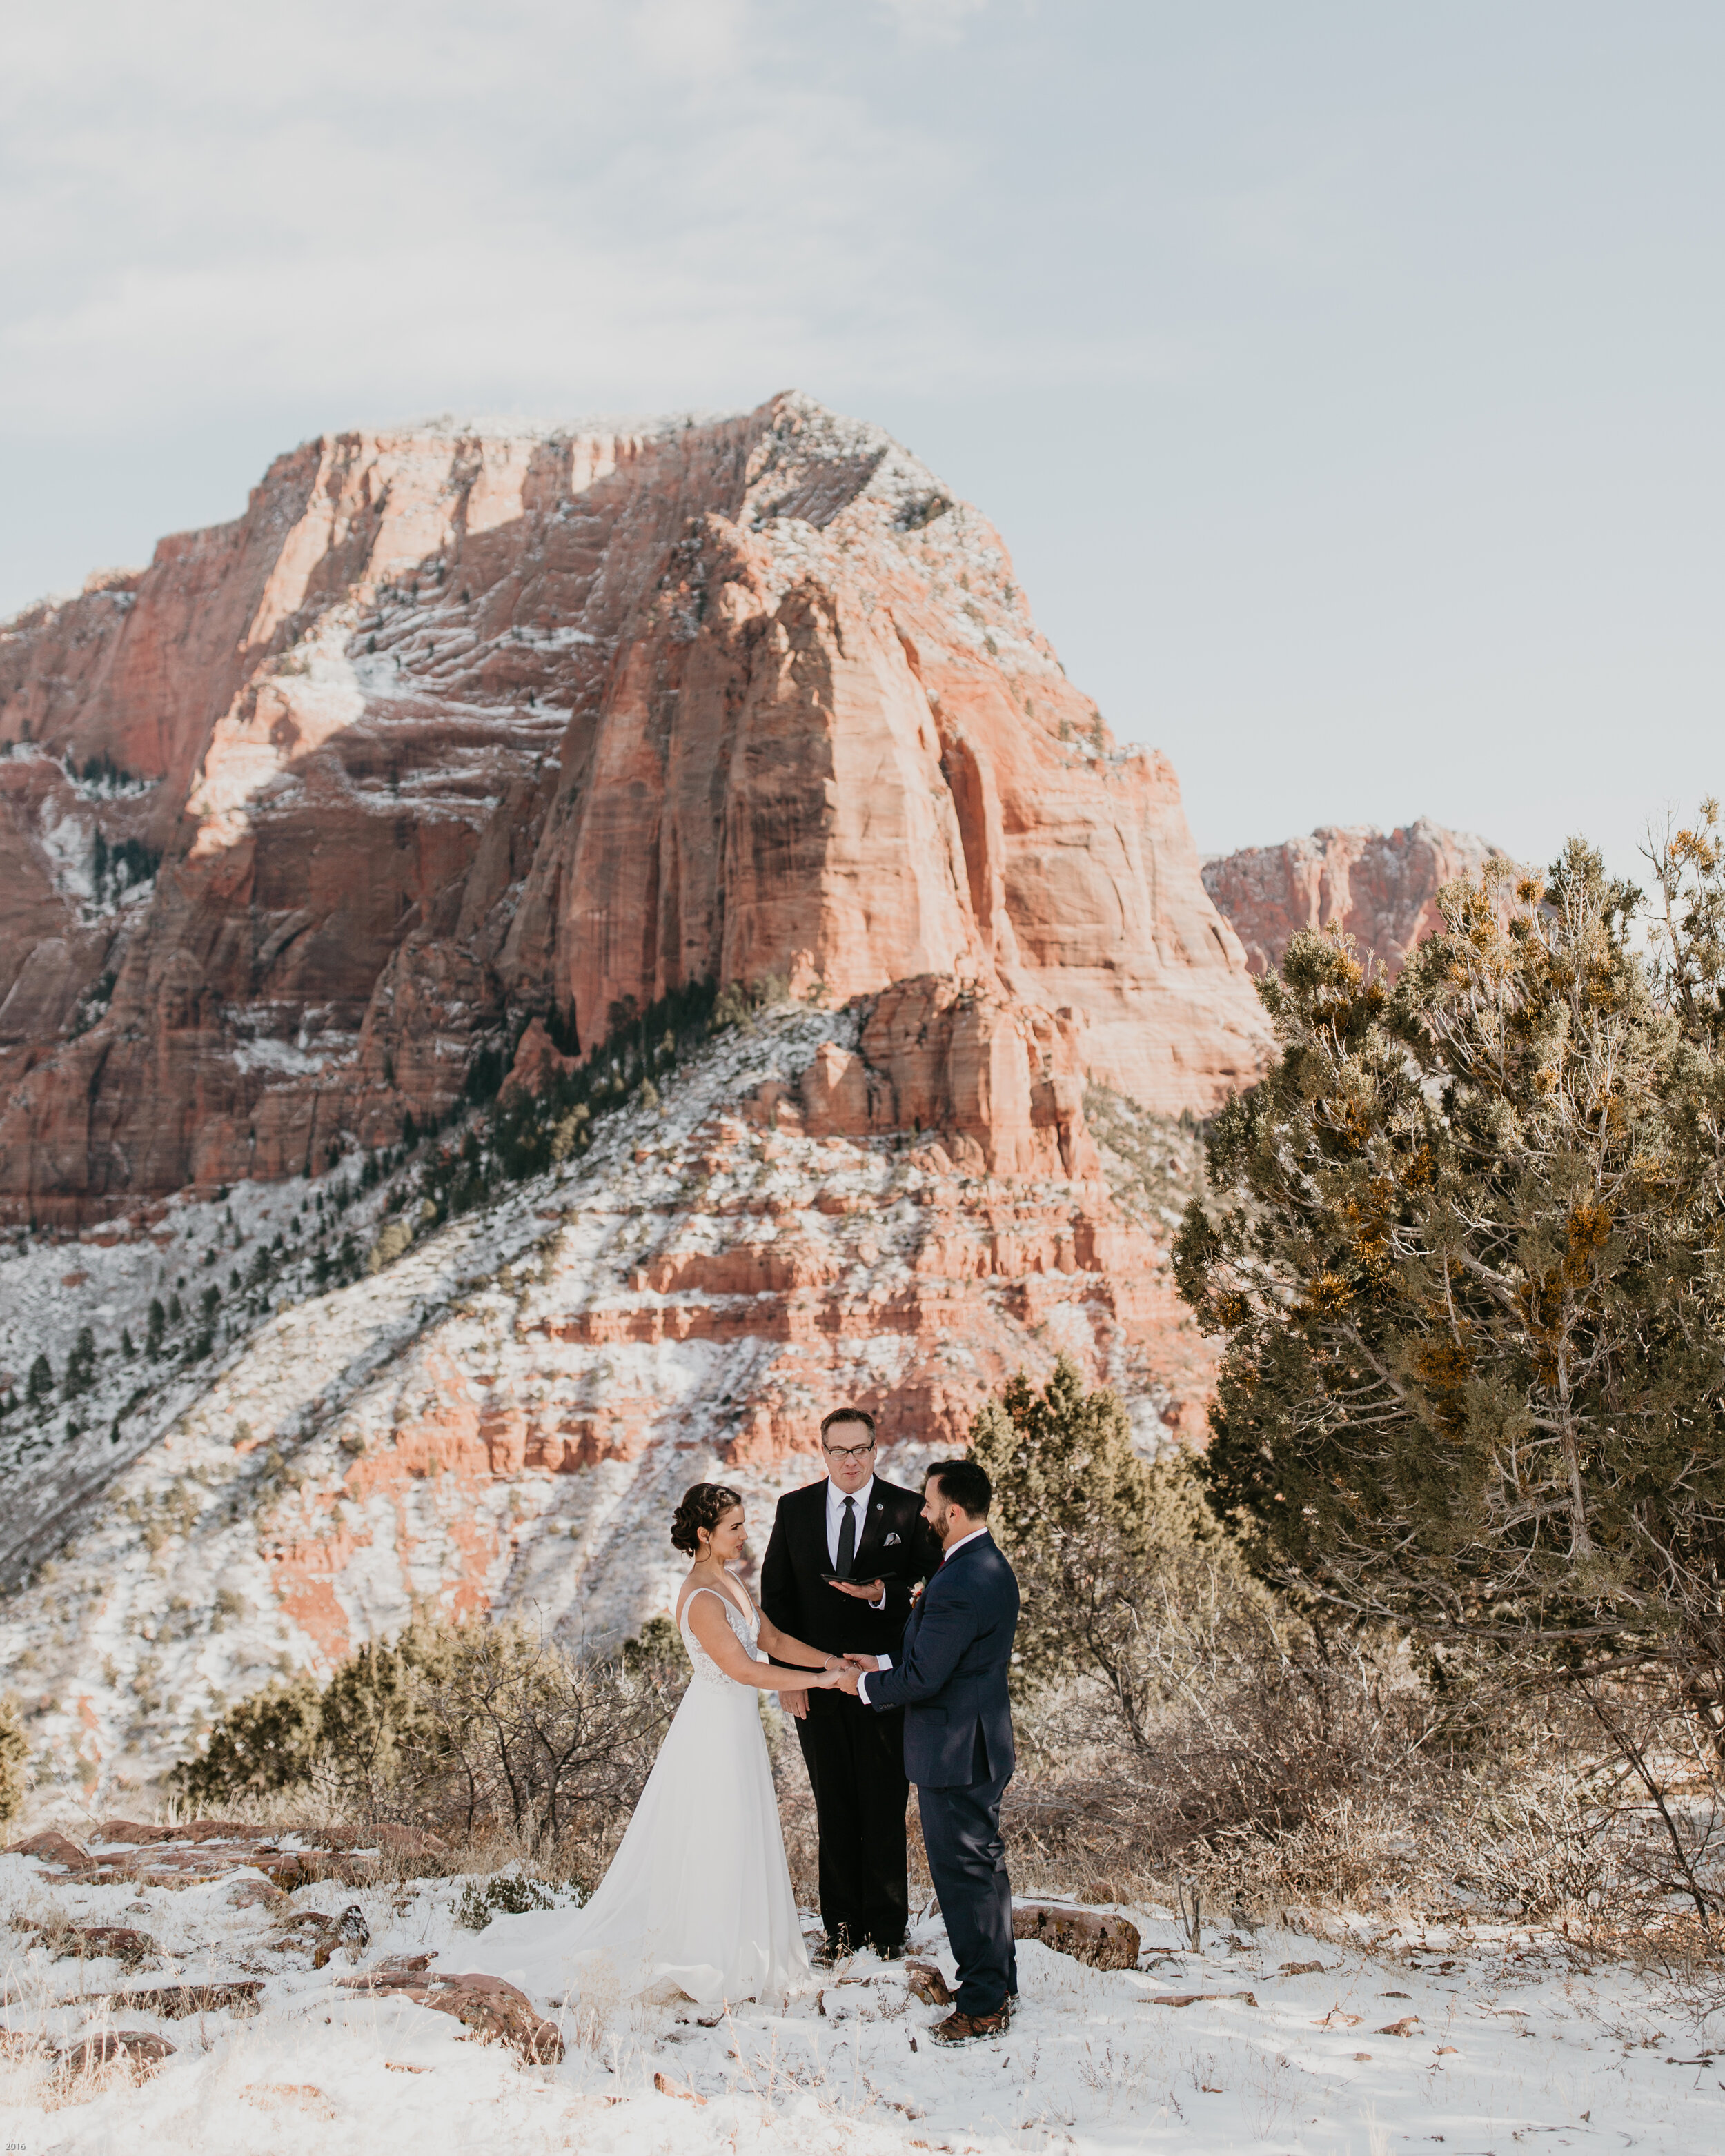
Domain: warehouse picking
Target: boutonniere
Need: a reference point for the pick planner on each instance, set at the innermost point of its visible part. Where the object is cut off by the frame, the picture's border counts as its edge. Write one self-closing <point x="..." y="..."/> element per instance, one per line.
<point x="916" y="1592"/>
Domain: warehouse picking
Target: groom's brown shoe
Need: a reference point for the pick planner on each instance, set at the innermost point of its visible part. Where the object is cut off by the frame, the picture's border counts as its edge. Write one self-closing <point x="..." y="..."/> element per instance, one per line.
<point x="968" y="2028"/>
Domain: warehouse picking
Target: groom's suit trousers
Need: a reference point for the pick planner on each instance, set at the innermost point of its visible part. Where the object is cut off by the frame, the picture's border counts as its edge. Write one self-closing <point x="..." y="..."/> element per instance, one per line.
<point x="953" y="1685"/>
<point x="967" y="1862"/>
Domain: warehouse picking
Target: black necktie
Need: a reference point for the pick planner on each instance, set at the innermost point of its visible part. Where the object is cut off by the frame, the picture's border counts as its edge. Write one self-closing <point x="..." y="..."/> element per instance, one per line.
<point x="847" y="1540"/>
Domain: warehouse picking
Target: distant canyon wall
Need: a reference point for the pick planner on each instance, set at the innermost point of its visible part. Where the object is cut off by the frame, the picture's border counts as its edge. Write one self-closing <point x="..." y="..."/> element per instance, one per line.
<point x="1382" y="887"/>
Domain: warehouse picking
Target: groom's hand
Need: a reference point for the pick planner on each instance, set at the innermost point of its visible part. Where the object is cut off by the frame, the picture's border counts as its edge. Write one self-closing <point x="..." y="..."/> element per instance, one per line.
<point x="863" y="1590"/>
<point x="861" y="1662"/>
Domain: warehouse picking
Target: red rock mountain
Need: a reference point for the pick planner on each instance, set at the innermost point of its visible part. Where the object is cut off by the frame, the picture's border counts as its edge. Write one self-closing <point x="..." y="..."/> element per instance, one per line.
<point x="1382" y="887"/>
<point x="452" y="732"/>
<point x="452" y="727"/>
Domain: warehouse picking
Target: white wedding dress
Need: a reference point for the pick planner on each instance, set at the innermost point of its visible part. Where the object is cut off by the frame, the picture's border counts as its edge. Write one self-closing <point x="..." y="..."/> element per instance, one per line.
<point x="698" y="1898"/>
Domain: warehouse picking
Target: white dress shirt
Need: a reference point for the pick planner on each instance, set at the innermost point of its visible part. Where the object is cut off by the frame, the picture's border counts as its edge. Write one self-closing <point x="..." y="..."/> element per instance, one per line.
<point x="836" y="1514"/>
<point x="835" y="1520"/>
<point x="885" y="1660"/>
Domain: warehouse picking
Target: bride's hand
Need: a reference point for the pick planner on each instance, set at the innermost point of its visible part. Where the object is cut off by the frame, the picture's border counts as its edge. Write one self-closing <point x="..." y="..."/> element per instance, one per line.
<point x="832" y="1676"/>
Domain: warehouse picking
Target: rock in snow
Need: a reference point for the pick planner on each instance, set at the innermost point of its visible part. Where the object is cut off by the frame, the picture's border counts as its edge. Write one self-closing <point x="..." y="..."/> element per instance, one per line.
<point x="1105" y="1942"/>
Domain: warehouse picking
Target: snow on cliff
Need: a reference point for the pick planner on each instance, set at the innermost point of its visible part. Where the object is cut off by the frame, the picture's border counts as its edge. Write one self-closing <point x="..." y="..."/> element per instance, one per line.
<point x="504" y="1414"/>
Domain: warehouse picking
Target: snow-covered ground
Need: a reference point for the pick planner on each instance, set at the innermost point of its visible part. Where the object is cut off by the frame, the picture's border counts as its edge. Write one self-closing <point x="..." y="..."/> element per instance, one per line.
<point x="1464" y="2041"/>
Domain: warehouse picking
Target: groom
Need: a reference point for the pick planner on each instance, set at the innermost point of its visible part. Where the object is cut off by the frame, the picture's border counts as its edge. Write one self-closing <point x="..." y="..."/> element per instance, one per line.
<point x="843" y="1555"/>
<point x="958" y="1749"/>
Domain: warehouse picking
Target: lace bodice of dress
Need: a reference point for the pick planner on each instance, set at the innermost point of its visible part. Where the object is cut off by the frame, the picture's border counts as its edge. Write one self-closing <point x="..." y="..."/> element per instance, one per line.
<point x="707" y="1669"/>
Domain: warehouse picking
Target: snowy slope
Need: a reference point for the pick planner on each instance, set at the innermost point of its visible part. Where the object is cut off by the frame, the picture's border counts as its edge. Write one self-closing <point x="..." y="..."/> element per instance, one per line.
<point x="504" y="1415"/>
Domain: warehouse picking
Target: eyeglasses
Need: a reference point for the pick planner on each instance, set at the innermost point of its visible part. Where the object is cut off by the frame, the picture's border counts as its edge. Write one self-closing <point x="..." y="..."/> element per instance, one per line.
<point x="849" y="1451"/>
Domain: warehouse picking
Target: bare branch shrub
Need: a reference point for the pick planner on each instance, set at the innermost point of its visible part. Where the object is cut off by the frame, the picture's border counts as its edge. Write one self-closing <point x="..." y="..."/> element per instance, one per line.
<point x="509" y="1730"/>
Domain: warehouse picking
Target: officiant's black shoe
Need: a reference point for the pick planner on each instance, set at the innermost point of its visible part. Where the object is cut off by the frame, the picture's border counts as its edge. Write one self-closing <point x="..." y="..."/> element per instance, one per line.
<point x="889" y="1949"/>
<point x="970" y="2028"/>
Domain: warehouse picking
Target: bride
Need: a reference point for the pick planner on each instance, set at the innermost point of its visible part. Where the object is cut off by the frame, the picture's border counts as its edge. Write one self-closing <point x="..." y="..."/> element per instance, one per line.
<point x="698" y="1898"/>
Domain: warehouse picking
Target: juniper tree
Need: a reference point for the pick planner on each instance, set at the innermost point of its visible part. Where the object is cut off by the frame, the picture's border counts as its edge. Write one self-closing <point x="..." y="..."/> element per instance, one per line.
<point x="461" y="1724"/>
<point x="1466" y="1245"/>
<point x="267" y="1742"/>
<point x="80" y="1364"/>
<point x="1097" y="1535"/>
<point x="1140" y="1622"/>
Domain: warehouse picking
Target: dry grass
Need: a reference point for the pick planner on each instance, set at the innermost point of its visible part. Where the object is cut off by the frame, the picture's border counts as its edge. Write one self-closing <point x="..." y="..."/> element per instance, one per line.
<point x="1464" y="1855"/>
<point x="1359" y="1795"/>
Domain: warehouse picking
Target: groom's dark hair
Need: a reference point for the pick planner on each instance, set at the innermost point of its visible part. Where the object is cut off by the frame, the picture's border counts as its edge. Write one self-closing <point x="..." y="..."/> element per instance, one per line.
<point x="964" y="1483"/>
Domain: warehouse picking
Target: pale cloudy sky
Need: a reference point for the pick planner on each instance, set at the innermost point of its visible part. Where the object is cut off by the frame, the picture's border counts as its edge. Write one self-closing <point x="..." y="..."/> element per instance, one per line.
<point x="1346" y="378"/>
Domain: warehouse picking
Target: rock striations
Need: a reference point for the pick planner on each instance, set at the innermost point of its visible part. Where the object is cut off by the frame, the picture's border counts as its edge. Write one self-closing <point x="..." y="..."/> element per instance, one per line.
<point x="1382" y="887"/>
<point x="454" y="728"/>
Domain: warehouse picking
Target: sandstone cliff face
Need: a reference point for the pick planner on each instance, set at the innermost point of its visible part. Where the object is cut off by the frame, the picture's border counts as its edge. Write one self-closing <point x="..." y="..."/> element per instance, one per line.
<point x="450" y="728"/>
<point x="1382" y="887"/>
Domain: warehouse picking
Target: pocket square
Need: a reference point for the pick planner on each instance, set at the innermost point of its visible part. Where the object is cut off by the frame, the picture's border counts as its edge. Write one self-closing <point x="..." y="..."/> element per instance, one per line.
<point x="890" y="1541"/>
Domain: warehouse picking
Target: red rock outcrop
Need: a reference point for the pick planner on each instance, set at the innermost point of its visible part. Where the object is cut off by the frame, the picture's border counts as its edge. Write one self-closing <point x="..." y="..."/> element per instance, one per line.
<point x="1000" y="1083"/>
<point x="1381" y="886"/>
<point x="451" y="727"/>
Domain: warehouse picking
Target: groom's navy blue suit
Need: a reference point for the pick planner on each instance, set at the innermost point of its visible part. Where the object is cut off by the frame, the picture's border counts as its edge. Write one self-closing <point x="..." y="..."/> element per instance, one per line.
<point x="958" y="1751"/>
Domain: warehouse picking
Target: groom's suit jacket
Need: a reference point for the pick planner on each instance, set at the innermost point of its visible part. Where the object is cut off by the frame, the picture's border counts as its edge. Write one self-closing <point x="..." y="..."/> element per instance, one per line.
<point x="951" y="1678"/>
<point x="895" y="1545"/>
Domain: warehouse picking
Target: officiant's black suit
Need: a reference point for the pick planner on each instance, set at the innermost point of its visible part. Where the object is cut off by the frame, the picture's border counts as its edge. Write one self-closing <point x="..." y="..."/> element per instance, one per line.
<point x="855" y="1758"/>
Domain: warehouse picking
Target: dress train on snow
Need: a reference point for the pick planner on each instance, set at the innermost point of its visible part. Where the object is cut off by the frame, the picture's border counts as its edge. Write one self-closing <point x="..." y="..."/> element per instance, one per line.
<point x="698" y="1899"/>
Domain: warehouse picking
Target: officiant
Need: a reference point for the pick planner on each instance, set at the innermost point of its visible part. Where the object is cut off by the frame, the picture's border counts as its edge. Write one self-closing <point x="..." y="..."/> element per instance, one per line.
<point x="845" y="1554"/>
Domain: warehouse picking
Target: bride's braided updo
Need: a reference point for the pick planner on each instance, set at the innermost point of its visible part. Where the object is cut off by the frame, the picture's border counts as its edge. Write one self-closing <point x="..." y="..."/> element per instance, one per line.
<point x="703" y="1506"/>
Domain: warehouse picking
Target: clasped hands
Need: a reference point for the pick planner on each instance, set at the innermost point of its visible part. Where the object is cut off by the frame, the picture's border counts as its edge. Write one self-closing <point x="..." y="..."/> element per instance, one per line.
<point x="839" y="1673"/>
